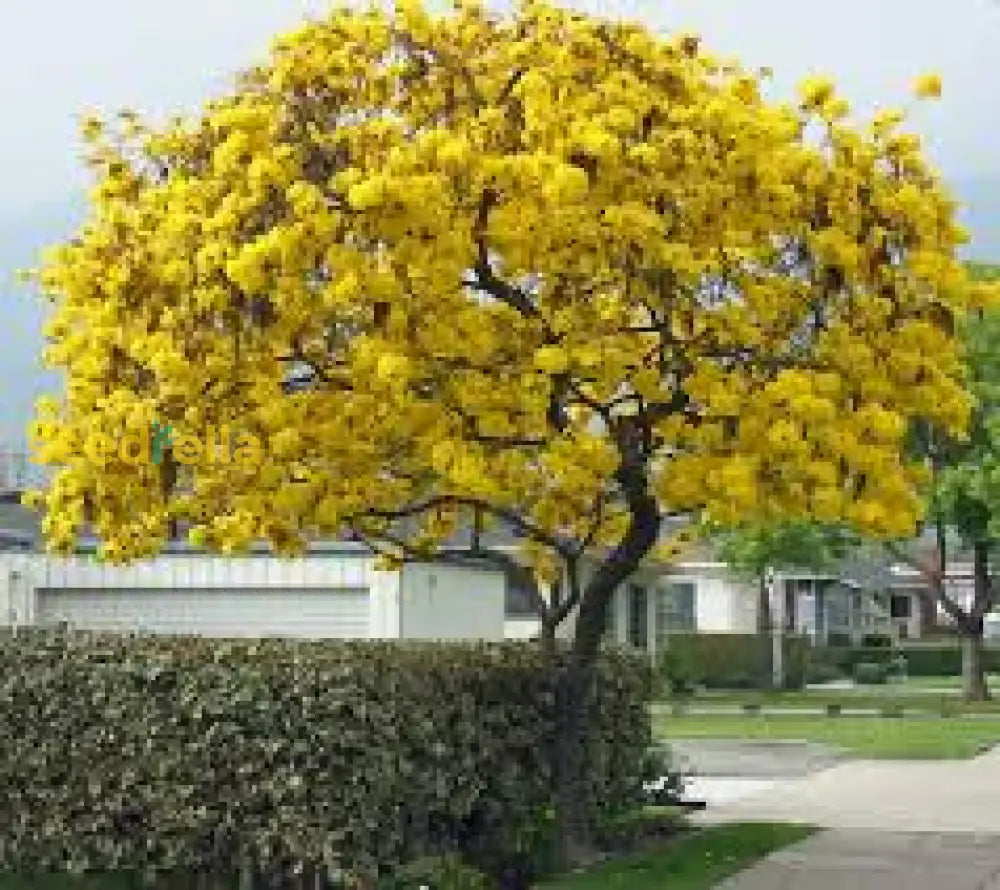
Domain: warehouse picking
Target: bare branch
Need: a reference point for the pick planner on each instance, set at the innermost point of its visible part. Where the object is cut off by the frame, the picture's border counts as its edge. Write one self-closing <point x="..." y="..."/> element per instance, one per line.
<point x="597" y="515"/>
<point x="486" y="279"/>
<point x="513" y="519"/>
<point x="570" y="603"/>
<point x="933" y="577"/>
<point x="508" y="87"/>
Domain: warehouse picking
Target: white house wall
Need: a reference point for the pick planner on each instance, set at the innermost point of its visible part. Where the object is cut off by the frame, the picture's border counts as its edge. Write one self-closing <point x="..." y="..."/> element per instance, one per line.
<point x="521" y="628"/>
<point x="440" y="602"/>
<point x="311" y="596"/>
<point x="723" y="604"/>
<point x="215" y="612"/>
<point x="744" y="603"/>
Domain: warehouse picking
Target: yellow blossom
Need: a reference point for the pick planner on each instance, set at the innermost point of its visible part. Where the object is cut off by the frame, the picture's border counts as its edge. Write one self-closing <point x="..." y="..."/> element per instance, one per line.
<point x="928" y="86"/>
<point x="488" y="271"/>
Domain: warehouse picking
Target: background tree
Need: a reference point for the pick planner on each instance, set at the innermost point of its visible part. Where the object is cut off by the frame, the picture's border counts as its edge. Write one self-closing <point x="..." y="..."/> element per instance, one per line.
<point x="550" y="268"/>
<point x="753" y="550"/>
<point x="965" y="498"/>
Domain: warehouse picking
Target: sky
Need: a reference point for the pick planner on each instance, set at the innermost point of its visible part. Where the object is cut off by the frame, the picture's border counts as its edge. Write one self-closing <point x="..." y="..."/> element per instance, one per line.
<point x="62" y="58"/>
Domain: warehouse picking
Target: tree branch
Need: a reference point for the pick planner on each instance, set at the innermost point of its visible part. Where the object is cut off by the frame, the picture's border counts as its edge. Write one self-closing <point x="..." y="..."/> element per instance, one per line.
<point x="513" y="519"/>
<point x="570" y="602"/>
<point x="486" y="279"/>
<point x="933" y="577"/>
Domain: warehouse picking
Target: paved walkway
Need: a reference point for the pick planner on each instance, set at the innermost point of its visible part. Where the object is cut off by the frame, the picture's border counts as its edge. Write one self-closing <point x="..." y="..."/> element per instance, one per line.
<point x="881" y="860"/>
<point x="885" y="795"/>
<point x="753" y="758"/>
<point x="925" y="825"/>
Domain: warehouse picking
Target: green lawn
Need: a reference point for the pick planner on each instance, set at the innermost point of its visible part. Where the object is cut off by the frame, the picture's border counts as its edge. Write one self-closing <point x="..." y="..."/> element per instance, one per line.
<point x="694" y="862"/>
<point x="954" y="683"/>
<point x="876" y="737"/>
<point x="876" y="697"/>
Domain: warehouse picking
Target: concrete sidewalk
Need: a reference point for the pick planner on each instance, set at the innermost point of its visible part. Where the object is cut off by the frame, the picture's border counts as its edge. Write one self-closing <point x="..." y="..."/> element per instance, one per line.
<point x="878" y="860"/>
<point x="889" y="824"/>
<point x="752" y="758"/>
<point x="896" y="796"/>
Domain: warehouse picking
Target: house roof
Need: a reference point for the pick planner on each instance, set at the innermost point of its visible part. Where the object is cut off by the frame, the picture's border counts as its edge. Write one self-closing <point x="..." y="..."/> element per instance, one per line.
<point x="20" y="529"/>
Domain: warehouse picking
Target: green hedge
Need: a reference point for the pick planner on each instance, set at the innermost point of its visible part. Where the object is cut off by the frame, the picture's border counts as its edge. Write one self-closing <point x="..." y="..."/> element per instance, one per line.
<point x="944" y="659"/>
<point x="730" y="661"/>
<point x="933" y="661"/>
<point x="843" y="659"/>
<point x="922" y="659"/>
<point x="871" y="672"/>
<point x="187" y="754"/>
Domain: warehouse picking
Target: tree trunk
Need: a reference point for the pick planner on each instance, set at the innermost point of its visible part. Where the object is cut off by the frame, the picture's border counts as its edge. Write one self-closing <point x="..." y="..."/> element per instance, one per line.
<point x="765" y="630"/>
<point x="974" y="686"/>
<point x="547" y="636"/>
<point x="779" y="618"/>
<point x="763" y="607"/>
<point x="928" y="616"/>
<point x="573" y="829"/>
<point x="576" y="680"/>
<point x="574" y="691"/>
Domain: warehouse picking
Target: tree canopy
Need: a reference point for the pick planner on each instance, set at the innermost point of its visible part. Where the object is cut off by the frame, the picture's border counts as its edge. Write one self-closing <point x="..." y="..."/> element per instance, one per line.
<point x="752" y="549"/>
<point x="558" y="269"/>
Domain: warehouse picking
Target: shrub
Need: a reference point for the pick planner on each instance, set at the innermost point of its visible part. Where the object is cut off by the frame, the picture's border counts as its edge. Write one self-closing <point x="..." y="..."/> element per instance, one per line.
<point x="675" y="675"/>
<point x="436" y="873"/>
<point x="821" y="672"/>
<point x="843" y="659"/>
<point x="870" y="672"/>
<point x="796" y="660"/>
<point x="838" y="640"/>
<point x="898" y="666"/>
<point x="937" y="660"/>
<point x="191" y="754"/>
<point x="625" y="831"/>
<point x="730" y="661"/>
<point x="876" y="641"/>
<point x="827" y="662"/>
<point x="872" y="655"/>
<point x="943" y="659"/>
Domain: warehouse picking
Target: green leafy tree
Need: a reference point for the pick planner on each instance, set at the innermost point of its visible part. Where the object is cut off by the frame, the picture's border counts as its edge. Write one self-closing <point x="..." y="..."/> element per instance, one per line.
<point x="983" y="271"/>
<point x="752" y="551"/>
<point x="965" y="498"/>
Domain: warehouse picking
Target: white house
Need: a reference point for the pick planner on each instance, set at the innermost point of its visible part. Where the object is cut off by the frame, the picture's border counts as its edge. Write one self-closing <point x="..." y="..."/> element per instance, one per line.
<point x="333" y="592"/>
<point x="336" y="591"/>
<point x="701" y="595"/>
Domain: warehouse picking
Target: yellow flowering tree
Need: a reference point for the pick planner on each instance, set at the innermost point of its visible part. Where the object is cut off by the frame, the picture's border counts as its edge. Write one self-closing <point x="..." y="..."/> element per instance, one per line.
<point x="550" y="269"/>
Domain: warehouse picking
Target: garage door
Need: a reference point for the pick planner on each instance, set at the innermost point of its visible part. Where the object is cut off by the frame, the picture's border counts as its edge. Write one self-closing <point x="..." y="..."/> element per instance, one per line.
<point x="217" y="612"/>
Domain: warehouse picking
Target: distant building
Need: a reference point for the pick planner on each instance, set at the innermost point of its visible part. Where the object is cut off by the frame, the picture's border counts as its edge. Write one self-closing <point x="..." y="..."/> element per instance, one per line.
<point x="335" y="591"/>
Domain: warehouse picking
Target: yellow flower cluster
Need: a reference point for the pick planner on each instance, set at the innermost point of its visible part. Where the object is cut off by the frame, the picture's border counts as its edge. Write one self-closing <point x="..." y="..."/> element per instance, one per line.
<point x="482" y="245"/>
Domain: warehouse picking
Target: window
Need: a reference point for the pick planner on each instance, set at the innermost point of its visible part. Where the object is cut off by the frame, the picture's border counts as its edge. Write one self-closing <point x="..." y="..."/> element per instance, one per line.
<point x="675" y="610"/>
<point x="900" y="605"/>
<point x="838" y="613"/>
<point x="638" y="621"/>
